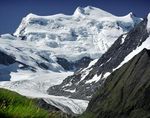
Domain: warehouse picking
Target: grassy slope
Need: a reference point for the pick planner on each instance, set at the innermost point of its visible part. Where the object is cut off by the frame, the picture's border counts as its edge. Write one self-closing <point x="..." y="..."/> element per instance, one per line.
<point x="13" y="105"/>
<point x="16" y="106"/>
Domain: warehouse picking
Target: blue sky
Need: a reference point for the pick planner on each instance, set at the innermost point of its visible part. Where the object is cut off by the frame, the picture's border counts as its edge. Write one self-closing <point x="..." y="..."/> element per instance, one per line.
<point x="12" y="11"/>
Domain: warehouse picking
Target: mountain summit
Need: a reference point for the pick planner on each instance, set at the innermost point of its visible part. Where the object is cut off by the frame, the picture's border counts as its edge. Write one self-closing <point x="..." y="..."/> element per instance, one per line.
<point x="91" y="12"/>
<point x="88" y="32"/>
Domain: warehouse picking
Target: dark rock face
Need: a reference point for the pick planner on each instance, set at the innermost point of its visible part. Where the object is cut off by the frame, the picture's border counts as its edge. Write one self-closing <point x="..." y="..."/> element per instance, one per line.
<point x="118" y="51"/>
<point x="64" y="63"/>
<point x="6" y="59"/>
<point x="5" y="68"/>
<point x="9" y="64"/>
<point x="125" y="93"/>
<point x="74" y="66"/>
<point x="109" y="61"/>
<point x="82" y="63"/>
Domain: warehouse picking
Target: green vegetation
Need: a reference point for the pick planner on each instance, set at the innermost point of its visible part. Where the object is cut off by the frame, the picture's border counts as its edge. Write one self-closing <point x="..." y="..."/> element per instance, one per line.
<point x="13" y="105"/>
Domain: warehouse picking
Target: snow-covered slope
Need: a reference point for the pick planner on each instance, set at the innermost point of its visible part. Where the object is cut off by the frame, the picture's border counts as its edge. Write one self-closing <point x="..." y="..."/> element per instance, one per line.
<point x="29" y="54"/>
<point x="88" y="32"/>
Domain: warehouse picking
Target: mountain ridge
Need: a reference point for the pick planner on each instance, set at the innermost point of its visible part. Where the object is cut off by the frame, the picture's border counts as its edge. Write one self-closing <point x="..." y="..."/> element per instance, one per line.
<point x="125" y="92"/>
<point x="100" y="39"/>
<point x="86" y="81"/>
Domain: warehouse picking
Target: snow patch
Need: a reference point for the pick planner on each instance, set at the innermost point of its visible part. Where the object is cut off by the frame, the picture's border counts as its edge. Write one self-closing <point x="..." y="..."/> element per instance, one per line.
<point x="106" y="75"/>
<point x="92" y="63"/>
<point x="69" y="84"/>
<point x="148" y="23"/>
<point x="69" y="90"/>
<point x="108" y="60"/>
<point x="94" y="79"/>
<point x="145" y="44"/>
<point x="123" y="38"/>
<point x="84" y="74"/>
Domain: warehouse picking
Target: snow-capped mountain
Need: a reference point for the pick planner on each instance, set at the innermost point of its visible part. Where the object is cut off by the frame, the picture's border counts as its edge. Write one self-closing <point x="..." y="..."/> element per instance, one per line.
<point x="44" y="48"/>
<point x="83" y="83"/>
<point x="88" y="32"/>
<point x="46" y="42"/>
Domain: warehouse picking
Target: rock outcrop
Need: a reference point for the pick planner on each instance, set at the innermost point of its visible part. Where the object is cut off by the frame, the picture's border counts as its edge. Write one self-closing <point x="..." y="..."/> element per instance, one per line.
<point x="126" y="92"/>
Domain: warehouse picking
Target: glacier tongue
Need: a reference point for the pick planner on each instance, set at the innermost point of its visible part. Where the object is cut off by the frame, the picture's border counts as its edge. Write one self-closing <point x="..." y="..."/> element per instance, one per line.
<point x="37" y="86"/>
